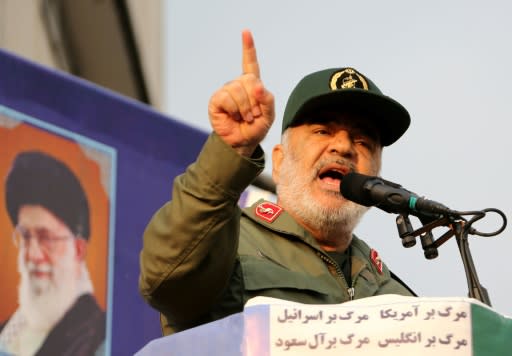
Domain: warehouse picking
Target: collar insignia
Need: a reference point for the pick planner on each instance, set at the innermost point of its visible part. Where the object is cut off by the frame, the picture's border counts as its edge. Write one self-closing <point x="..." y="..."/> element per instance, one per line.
<point x="268" y="211"/>
<point x="377" y="262"/>
<point x="348" y="79"/>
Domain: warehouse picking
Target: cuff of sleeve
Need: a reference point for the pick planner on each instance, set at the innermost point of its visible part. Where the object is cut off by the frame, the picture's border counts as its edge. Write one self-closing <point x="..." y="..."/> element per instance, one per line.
<point x="226" y="169"/>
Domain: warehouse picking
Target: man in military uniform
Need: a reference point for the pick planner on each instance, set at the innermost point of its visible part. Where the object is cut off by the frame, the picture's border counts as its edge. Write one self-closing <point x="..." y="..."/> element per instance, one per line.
<point x="203" y="257"/>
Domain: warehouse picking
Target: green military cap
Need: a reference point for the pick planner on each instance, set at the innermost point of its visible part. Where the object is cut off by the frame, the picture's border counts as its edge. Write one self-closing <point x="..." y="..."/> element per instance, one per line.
<point x="345" y="89"/>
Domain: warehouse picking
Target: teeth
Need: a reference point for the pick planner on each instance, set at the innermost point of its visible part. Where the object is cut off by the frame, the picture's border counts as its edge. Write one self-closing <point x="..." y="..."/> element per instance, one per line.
<point x="335" y="172"/>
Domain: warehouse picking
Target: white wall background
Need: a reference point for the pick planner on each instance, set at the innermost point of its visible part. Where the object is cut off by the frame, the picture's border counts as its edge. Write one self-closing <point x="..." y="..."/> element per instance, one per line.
<point x="447" y="62"/>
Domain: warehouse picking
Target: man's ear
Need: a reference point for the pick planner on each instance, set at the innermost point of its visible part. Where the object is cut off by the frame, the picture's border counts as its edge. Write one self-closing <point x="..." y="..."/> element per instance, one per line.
<point x="81" y="248"/>
<point x="277" y="159"/>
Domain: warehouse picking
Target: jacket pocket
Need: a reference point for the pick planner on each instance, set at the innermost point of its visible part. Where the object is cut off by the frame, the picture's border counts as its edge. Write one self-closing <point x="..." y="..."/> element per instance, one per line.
<point x="261" y="273"/>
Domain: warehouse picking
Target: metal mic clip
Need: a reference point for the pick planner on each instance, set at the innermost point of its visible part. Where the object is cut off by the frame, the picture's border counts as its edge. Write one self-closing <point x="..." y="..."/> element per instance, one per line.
<point x="405" y="230"/>
<point x="427" y="242"/>
<point x="408" y="236"/>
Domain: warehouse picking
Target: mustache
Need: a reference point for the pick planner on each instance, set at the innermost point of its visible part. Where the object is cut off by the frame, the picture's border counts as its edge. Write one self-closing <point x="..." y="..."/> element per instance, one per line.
<point x="339" y="161"/>
<point x="32" y="267"/>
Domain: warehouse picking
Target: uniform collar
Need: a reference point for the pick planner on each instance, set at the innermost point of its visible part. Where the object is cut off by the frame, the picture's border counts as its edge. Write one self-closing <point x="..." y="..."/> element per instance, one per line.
<point x="275" y="218"/>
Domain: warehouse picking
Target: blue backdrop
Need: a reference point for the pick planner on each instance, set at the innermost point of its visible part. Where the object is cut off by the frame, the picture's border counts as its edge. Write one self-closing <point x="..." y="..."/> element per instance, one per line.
<point x="151" y="150"/>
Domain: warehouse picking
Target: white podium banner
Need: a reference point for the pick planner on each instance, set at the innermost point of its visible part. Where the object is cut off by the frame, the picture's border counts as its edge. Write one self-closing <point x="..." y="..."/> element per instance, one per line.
<point x="383" y="325"/>
<point x="386" y="325"/>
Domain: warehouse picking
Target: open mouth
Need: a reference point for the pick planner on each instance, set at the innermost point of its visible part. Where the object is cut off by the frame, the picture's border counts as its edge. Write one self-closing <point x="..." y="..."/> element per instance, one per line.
<point x="332" y="175"/>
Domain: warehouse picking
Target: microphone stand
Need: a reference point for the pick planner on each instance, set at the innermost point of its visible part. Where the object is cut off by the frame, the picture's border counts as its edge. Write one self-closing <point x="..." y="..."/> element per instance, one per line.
<point x="458" y="227"/>
<point x="476" y="290"/>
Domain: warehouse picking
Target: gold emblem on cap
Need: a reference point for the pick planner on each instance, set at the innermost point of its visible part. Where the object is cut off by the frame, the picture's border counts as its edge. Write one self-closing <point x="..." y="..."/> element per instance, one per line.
<point x="348" y="79"/>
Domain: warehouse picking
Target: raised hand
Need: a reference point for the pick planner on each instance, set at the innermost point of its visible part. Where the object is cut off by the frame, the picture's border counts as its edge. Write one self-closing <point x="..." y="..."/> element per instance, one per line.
<point x="242" y="111"/>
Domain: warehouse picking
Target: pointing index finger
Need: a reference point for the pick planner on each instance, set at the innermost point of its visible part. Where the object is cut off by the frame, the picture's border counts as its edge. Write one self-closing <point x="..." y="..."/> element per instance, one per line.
<point x="249" y="59"/>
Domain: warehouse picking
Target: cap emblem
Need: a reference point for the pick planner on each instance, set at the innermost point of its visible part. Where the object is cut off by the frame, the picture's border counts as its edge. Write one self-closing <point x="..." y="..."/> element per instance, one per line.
<point x="348" y="79"/>
<point x="377" y="262"/>
<point x="268" y="211"/>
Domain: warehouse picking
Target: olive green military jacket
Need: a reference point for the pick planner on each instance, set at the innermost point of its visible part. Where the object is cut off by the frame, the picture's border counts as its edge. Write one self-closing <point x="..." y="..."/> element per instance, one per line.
<point x="203" y="257"/>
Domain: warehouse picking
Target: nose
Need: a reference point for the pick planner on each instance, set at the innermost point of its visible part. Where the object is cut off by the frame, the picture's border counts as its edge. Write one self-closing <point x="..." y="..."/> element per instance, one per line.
<point x="34" y="252"/>
<point x="342" y="145"/>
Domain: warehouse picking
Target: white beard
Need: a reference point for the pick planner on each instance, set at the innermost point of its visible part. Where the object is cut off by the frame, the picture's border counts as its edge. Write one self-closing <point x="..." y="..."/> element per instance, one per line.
<point x="295" y="195"/>
<point x="43" y="302"/>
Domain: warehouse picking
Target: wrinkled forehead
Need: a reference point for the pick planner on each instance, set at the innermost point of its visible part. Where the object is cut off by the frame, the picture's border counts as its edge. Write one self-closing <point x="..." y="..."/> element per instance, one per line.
<point x="357" y="122"/>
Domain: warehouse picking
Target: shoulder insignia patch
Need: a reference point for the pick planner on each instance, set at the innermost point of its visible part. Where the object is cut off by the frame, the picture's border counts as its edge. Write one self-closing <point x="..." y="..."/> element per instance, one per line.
<point x="377" y="262"/>
<point x="268" y="211"/>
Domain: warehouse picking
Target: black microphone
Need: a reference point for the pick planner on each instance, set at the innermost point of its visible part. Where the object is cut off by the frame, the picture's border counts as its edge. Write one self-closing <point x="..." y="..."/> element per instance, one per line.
<point x="388" y="196"/>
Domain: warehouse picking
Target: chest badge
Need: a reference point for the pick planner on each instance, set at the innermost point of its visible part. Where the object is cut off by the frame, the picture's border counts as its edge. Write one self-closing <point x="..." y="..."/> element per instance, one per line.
<point x="268" y="211"/>
<point x="377" y="262"/>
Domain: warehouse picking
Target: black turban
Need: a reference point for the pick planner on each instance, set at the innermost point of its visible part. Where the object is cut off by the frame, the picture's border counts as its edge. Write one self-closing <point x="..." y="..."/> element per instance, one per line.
<point x="36" y="178"/>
